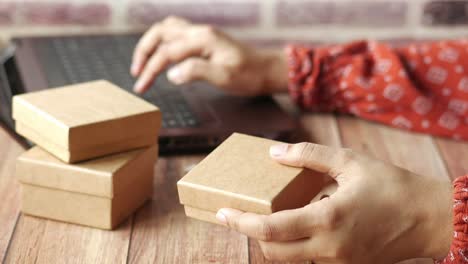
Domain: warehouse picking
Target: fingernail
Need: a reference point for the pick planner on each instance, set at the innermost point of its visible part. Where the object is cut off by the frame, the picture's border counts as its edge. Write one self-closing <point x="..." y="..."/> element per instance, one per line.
<point x="279" y="150"/>
<point x="134" y="68"/>
<point x="175" y="75"/>
<point x="138" y="87"/>
<point x="221" y="217"/>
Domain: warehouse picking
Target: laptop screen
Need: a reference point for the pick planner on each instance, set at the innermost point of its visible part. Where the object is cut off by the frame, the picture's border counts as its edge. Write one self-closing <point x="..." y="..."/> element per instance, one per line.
<point x="10" y="84"/>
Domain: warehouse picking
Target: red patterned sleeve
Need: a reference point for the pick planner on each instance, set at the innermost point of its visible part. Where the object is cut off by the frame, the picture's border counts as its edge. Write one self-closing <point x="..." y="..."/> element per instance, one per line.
<point x="420" y="87"/>
<point x="459" y="249"/>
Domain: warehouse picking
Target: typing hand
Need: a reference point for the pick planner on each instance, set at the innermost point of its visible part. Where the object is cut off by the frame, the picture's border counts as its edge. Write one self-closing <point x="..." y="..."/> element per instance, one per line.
<point x="379" y="213"/>
<point x="202" y="52"/>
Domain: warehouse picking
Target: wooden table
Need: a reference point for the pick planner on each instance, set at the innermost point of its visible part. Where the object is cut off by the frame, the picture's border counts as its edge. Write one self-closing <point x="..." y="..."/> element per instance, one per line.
<point x="160" y="233"/>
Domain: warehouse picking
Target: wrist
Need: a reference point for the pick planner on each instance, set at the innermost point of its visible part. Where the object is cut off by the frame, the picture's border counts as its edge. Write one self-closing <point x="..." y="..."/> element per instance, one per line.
<point x="438" y="220"/>
<point x="425" y="228"/>
<point x="275" y="69"/>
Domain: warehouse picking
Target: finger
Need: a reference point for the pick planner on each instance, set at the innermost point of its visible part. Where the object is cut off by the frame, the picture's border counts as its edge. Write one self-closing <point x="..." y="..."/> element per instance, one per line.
<point x="312" y="156"/>
<point x="320" y="247"/>
<point x="144" y="48"/>
<point x="175" y="20"/>
<point x="194" y="69"/>
<point x="147" y="45"/>
<point x="281" y="226"/>
<point x="297" y="250"/>
<point x="165" y="55"/>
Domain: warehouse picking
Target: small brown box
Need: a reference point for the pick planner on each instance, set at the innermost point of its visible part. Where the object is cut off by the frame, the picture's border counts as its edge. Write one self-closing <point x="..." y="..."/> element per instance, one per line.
<point x="88" y="120"/>
<point x="99" y="193"/>
<point x="240" y="174"/>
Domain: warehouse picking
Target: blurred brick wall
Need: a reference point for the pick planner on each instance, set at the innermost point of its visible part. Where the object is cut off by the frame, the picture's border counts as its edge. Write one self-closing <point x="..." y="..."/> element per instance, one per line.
<point x="323" y="20"/>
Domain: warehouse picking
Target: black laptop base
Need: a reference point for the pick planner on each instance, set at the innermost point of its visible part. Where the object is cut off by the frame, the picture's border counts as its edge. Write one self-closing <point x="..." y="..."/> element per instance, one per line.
<point x="65" y="60"/>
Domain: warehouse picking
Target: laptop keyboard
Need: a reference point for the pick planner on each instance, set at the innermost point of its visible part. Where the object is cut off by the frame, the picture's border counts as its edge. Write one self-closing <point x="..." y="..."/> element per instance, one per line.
<point x="70" y="60"/>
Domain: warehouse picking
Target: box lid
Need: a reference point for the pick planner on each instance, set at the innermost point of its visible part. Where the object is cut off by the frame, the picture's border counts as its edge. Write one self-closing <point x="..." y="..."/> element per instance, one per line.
<point x="240" y="174"/>
<point x="89" y="116"/>
<point x="106" y="177"/>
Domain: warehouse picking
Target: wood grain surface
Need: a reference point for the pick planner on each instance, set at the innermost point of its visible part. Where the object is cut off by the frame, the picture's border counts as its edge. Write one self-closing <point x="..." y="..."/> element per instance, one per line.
<point x="9" y="189"/>
<point x="159" y="232"/>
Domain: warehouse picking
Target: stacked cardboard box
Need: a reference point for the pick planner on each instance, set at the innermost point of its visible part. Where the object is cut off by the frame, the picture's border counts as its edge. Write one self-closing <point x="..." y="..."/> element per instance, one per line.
<point x="95" y="154"/>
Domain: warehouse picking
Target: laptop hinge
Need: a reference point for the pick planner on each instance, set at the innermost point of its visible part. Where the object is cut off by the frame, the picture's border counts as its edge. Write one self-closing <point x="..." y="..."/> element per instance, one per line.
<point x="9" y="72"/>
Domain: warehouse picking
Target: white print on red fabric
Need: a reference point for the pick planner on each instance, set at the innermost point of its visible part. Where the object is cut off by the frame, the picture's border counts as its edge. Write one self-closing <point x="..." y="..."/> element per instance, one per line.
<point x="335" y="51"/>
<point x="402" y="122"/>
<point x="402" y="73"/>
<point x="393" y="92"/>
<point x="436" y="75"/>
<point x="448" y="120"/>
<point x="448" y="55"/>
<point x="459" y="69"/>
<point x="463" y="84"/>
<point x="465" y="219"/>
<point x="458" y="106"/>
<point x="372" y="108"/>
<point x="446" y="91"/>
<point x="427" y="60"/>
<point x="370" y="97"/>
<point x="464" y="254"/>
<point x="306" y="66"/>
<point x="343" y="85"/>
<point x="363" y="82"/>
<point x="383" y="66"/>
<point x="452" y="256"/>
<point x="347" y="70"/>
<point x="425" y="123"/>
<point x="354" y="110"/>
<point x="348" y="95"/>
<point x="421" y="105"/>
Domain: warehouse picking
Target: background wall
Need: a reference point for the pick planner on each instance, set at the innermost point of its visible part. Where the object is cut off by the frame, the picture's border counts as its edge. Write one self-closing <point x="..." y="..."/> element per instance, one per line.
<point x="269" y="20"/>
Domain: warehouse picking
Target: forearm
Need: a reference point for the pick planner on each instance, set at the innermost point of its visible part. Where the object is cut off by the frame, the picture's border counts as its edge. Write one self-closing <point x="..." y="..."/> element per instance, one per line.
<point x="275" y="68"/>
<point x="438" y="222"/>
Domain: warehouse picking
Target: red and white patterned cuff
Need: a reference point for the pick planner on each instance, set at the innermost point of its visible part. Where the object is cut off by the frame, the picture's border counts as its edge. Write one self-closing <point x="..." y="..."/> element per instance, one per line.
<point x="459" y="249"/>
<point x="301" y="76"/>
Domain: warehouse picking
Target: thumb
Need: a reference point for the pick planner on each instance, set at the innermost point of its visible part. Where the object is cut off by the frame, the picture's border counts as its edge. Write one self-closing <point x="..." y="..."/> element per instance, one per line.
<point x="312" y="156"/>
<point x="194" y="69"/>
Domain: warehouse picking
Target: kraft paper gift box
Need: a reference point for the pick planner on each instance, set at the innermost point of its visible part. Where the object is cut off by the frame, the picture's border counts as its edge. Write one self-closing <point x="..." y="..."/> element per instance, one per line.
<point x="87" y="120"/>
<point x="99" y="193"/>
<point x="240" y="174"/>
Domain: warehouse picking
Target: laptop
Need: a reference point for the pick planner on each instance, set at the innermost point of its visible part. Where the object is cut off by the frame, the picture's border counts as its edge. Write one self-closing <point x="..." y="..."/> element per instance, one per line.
<point x="196" y="117"/>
